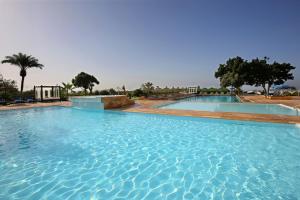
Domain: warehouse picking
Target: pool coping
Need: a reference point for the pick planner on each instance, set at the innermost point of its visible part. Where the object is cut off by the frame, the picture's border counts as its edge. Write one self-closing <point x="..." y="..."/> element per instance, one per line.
<point x="152" y="106"/>
<point x="35" y="105"/>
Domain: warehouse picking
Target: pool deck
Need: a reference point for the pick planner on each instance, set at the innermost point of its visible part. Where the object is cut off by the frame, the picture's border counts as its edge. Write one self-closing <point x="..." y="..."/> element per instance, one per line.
<point x="34" y="105"/>
<point x="148" y="106"/>
<point x="295" y="102"/>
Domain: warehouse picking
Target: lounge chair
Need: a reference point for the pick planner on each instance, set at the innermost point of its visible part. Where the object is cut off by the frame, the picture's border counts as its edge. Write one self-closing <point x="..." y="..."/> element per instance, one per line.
<point x="19" y="100"/>
<point x="30" y="100"/>
<point x="2" y="102"/>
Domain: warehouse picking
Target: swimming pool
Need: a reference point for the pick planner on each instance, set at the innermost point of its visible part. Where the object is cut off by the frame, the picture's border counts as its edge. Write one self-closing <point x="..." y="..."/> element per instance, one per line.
<point x="64" y="153"/>
<point x="215" y="106"/>
<point x="212" y="99"/>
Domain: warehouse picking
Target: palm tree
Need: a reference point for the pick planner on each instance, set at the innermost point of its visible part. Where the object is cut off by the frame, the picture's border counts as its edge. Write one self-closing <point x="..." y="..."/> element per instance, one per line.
<point x="24" y="62"/>
<point x="119" y="89"/>
<point x="147" y="88"/>
<point x="68" y="87"/>
<point x="124" y="89"/>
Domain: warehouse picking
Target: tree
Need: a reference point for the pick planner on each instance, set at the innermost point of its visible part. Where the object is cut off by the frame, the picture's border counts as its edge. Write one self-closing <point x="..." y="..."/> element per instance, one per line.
<point x="8" y="88"/>
<point x="68" y="87"/>
<point x="261" y="73"/>
<point x="223" y="90"/>
<point x="237" y="72"/>
<point x="104" y="92"/>
<point x="138" y="93"/>
<point x="124" y="89"/>
<point x="91" y="87"/>
<point x="24" y="62"/>
<point x="147" y="88"/>
<point x="198" y="89"/>
<point x="232" y="73"/>
<point x="85" y="81"/>
<point x="112" y="91"/>
<point x="118" y="90"/>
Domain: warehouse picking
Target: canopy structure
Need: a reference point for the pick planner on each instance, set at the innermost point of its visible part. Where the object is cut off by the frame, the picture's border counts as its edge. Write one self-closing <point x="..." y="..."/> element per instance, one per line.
<point x="192" y="90"/>
<point x="47" y="93"/>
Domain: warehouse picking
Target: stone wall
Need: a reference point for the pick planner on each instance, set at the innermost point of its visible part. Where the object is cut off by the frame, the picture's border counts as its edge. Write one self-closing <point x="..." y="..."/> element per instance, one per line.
<point x="119" y="101"/>
<point x="280" y="97"/>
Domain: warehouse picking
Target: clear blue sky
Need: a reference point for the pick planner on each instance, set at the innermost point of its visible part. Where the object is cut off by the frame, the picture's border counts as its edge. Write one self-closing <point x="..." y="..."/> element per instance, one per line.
<point x="167" y="42"/>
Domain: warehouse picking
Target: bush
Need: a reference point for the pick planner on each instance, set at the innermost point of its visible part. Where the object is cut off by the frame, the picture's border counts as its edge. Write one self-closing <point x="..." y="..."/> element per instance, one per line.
<point x="104" y="92"/>
<point x="130" y="94"/>
<point x="223" y="90"/>
<point x="212" y="90"/>
<point x="97" y="92"/>
<point x="28" y="94"/>
<point x="112" y="91"/>
<point x="8" y="89"/>
<point x="138" y="93"/>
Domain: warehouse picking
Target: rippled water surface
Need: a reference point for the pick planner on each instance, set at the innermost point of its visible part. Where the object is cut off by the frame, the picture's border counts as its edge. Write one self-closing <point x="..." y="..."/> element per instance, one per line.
<point x="64" y="153"/>
<point x="212" y="99"/>
<point x="220" y="105"/>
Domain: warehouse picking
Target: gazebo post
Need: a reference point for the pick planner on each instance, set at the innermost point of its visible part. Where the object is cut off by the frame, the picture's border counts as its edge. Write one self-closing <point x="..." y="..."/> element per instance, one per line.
<point x="34" y="93"/>
<point x="41" y="93"/>
<point x="52" y="92"/>
<point x="59" y="93"/>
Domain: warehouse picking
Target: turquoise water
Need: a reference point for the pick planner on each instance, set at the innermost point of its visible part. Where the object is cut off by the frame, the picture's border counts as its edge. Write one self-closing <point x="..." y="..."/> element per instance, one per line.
<point x="228" y="104"/>
<point x="212" y="99"/>
<point x="189" y="104"/>
<point x="64" y="153"/>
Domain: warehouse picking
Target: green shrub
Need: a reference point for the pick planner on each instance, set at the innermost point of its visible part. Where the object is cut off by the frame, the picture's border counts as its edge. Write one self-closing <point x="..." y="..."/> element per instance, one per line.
<point x="112" y="91"/>
<point x="104" y="92"/>
<point x="28" y="94"/>
<point x="138" y="93"/>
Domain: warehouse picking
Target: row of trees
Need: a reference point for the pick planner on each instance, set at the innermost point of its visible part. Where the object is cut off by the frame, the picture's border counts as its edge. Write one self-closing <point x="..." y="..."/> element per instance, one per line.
<point x="25" y="62"/>
<point x="237" y="72"/>
<point x="87" y="82"/>
<point x="148" y="89"/>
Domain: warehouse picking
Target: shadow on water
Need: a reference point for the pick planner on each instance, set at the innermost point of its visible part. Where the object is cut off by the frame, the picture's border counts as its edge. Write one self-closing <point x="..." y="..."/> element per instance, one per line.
<point x="24" y="140"/>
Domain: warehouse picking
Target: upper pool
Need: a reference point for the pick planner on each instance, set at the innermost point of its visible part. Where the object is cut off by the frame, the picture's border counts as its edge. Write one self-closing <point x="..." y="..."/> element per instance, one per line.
<point x="239" y="107"/>
<point x="229" y="104"/>
<point x="65" y="153"/>
<point x="213" y="99"/>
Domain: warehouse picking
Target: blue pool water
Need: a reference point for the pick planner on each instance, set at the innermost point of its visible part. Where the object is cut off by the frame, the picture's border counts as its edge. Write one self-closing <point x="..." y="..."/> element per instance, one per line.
<point x="192" y="104"/>
<point x="64" y="153"/>
<point x="212" y="99"/>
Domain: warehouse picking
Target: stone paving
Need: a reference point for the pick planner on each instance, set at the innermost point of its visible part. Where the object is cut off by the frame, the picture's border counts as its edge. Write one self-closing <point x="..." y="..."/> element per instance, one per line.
<point x="34" y="105"/>
<point x="294" y="102"/>
<point x="148" y="106"/>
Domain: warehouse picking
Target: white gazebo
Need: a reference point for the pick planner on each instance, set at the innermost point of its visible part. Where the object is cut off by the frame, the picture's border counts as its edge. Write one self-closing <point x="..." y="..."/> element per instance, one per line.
<point x="192" y="90"/>
<point x="47" y="93"/>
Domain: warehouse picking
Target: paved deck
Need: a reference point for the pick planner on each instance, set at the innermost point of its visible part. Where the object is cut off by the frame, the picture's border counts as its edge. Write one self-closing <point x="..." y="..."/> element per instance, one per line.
<point x="34" y="105"/>
<point x="295" y="102"/>
<point x="148" y="106"/>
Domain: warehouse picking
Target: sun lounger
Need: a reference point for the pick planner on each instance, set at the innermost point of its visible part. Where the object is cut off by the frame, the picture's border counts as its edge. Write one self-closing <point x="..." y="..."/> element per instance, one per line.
<point x="19" y="100"/>
<point x="30" y="100"/>
<point x="2" y="102"/>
